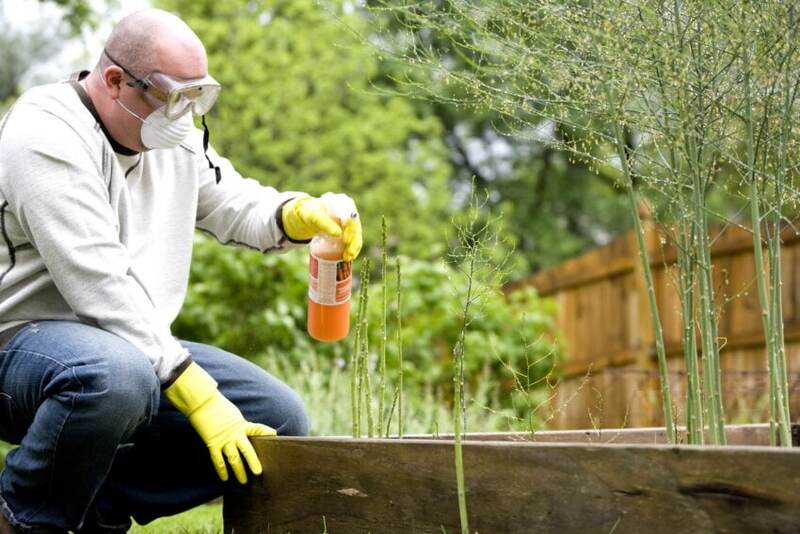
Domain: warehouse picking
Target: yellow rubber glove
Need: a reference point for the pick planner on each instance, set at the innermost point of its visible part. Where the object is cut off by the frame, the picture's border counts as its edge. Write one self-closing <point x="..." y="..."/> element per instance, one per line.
<point x="219" y="423"/>
<point x="307" y="216"/>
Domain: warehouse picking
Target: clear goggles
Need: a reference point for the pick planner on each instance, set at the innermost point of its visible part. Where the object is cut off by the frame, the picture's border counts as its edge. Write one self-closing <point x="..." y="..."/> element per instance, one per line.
<point x="175" y="96"/>
<point x="180" y="96"/>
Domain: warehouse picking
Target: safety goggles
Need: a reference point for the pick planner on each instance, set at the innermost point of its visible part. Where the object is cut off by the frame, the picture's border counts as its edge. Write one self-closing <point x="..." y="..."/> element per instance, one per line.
<point x="175" y="96"/>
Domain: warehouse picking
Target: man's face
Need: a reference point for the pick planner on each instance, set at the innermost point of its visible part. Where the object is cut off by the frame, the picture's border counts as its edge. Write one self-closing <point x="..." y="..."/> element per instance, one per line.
<point x="181" y="63"/>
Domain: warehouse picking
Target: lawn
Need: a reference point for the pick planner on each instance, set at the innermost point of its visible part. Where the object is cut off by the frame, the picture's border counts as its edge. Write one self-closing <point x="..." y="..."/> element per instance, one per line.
<point x="205" y="519"/>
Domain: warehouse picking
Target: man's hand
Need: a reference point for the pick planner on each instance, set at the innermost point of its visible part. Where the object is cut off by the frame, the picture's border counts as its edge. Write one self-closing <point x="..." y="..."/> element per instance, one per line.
<point x="307" y="216"/>
<point x="218" y="422"/>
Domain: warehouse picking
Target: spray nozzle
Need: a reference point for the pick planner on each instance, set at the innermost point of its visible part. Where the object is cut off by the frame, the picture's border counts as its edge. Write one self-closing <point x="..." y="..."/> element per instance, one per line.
<point x="340" y="206"/>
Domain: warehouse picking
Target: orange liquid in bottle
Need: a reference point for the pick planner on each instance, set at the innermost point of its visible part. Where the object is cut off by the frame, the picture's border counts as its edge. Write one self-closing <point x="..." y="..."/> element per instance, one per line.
<point x="330" y="283"/>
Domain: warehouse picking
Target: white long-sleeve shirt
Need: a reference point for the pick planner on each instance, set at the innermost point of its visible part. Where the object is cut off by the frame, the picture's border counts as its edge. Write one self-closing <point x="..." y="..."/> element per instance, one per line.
<point x="88" y="234"/>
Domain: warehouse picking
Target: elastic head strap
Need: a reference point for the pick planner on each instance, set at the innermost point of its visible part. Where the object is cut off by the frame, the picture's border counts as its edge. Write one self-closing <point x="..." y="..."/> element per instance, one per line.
<point x="206" y="135"/>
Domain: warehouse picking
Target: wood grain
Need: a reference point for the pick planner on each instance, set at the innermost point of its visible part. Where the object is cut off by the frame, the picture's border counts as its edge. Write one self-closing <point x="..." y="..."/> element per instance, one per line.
<point x="750" y="434"/>
<point x="408" y="486"/>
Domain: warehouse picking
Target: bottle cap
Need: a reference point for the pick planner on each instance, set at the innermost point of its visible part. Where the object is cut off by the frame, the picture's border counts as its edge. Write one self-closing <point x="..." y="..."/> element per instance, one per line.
<point x="340" y="206"/>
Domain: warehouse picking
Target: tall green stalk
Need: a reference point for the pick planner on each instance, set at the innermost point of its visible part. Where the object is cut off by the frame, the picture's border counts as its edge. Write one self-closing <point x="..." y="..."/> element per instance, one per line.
<point x="789" y="94"/>
<point x="399" y="354"/>
<point x="686" y="284"/>
<point x="356" y="377"/>
<point x="355" y="360"/>
<point x="457" y="430"/>
<point x="365" y="379"/>
<point x="459" y="408"/>
<point x="770" y="294"/>
<point x="633" y="205"/>
<point x="687" y="234"/>
<point x="766" y="310"/>
<point x="707" y="320"/>
<point x="778" y="343"/>
<point x="767" y="315"/>
<point x="692" y="125"/>
<point x="384" y="307"/>
<point x="364" y="397"/>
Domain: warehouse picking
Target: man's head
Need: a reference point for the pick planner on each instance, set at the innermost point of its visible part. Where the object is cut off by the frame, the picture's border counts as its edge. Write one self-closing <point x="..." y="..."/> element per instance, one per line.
<point x="142" y="43"/>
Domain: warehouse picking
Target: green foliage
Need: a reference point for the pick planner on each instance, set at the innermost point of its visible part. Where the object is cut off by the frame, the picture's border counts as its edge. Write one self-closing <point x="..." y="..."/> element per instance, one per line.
<point x="495" y="340"/>
<point x="255" y="305"/>
<point x="298" y="112"/>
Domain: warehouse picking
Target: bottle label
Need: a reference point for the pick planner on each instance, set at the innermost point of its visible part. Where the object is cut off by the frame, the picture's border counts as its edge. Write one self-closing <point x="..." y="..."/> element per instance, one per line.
<point x="330" y="281"/>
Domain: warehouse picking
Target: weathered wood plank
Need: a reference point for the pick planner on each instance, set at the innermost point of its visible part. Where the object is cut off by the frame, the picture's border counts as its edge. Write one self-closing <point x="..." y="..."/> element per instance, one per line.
<point x="756" y="434"/>
<point x="399" y="486"/>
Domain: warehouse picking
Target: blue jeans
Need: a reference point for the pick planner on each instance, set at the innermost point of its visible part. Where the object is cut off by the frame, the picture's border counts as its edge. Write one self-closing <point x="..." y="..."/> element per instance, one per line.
<point x="99" y="443"/>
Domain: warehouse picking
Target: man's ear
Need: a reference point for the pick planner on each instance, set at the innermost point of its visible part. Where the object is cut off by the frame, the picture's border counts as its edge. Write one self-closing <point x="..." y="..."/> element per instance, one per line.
<point x="112" y="80"/>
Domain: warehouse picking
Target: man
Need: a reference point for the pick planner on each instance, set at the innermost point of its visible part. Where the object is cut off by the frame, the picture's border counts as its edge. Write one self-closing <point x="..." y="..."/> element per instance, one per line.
<point x="102" y="182"/>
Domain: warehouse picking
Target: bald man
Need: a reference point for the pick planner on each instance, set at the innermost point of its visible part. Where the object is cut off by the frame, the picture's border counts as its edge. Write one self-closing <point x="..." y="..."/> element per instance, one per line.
<point x="103" y="180"/>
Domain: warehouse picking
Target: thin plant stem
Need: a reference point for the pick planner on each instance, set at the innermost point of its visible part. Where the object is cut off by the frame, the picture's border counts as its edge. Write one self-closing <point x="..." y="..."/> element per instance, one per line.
<point x="384" y="307"/>
<point x="458" y="405"/>
<point x="761" y="283"/>
<point x="686" y="283"/>
<point x="766" y="315"/>
<point x="355" y="360"/>
<point x="363" y="380"/>
<point x="366" y="379"/>
<point x="633" y="205"/>
<point x="701" y="110"/>
<point x="787" y="121"/>
<point x="399" y="351"/>
<point x="356" y="376"/>
<point x="391" y="411"/>
<point x="694" y="407"/>
<point x="707" y="315"/>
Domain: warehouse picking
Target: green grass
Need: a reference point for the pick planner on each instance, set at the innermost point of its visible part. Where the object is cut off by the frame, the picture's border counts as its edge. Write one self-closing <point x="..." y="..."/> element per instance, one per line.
<point x="205" y="519"/>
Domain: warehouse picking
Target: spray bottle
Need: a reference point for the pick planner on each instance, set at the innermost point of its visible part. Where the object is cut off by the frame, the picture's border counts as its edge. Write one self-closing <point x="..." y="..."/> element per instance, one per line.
<point x="330" y="278"/>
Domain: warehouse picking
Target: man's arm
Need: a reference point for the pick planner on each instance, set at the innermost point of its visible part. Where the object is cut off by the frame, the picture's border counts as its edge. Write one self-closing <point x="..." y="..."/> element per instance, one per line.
<point x="55" y="189"/>
<point x="240" y="210"/>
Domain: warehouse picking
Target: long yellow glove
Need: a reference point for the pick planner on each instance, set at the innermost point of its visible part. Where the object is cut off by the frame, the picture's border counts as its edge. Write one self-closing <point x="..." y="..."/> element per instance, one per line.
<point x="219" y="423"/>
<point x="307" y="216"/>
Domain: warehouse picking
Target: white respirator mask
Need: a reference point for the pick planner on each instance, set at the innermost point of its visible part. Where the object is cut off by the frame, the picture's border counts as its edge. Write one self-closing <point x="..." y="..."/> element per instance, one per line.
<point x="158" y="131"/>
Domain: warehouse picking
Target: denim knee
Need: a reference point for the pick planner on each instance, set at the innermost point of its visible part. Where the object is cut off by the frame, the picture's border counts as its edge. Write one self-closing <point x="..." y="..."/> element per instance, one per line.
<point x="294" y="414"/>
<point x="123" y="390"/>
<point x="285" y="412"/>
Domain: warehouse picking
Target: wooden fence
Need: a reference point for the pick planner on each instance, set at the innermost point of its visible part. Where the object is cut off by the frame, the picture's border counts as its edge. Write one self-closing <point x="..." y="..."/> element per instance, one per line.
<point x="610" y="375"/>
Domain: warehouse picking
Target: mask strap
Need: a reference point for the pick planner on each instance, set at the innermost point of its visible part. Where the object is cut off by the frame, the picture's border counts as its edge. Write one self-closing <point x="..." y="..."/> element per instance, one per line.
<point x="216" y="168"/>
<point x="123" y="106"/>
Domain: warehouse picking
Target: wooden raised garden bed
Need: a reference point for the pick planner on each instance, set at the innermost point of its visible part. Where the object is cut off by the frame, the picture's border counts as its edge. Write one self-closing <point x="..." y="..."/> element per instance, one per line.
<point x="567" y="481"/>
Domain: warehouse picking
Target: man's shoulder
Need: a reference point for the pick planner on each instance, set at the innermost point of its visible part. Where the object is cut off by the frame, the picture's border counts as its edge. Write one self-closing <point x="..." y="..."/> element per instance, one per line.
<point x="52" y="97"/>
<point x="45" y="113"/>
